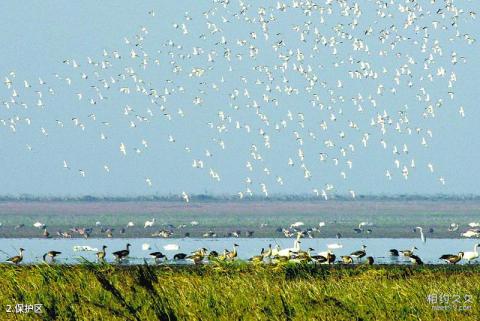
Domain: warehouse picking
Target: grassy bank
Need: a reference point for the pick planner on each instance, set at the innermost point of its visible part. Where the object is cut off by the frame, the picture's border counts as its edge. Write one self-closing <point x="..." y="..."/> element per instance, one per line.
<point x="239" y="292"/>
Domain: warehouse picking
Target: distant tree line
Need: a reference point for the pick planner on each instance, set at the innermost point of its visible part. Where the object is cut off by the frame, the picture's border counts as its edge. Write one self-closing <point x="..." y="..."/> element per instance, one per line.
<point x="220" y="198"/>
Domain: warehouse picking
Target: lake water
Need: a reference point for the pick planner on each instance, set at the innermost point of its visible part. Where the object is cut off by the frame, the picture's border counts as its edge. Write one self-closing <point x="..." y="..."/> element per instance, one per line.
<point x="376" y="247"/>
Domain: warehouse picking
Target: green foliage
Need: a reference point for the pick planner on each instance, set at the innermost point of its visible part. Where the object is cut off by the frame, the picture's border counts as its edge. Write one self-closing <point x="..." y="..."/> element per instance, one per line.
<point x="237" y="291"/>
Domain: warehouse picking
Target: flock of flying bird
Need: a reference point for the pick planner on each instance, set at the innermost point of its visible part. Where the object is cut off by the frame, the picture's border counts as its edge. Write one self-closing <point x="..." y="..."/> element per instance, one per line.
<point x="297" y="90"/>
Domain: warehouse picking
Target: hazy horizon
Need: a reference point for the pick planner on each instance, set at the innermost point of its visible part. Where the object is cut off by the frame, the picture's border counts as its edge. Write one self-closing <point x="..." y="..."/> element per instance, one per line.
<point x="233" y="197"/>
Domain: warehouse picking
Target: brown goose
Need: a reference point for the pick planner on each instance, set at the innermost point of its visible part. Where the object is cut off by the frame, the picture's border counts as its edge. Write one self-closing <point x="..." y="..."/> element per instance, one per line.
<point x="16" y="259"/>
<point x="122" y="254"/>
<point x="196" y="258"/>
<point x="212" y="255"/>
<point x="223" y="257"/>
<point x="268" y="253"/>
<point x="53" y="254"/>
<point x="180" y="256"/>
<point x="305" y="255"/>
<point x="346" y="259"/>
<point x="258" y="258"/>
<point x="409" y="252"/>
<point x="232" y="255"/>
<point x="319" y="258"/>
<point x="158" y="256"/>
<point x="331" y="258"/>
<point x="360" y="253"/>
<point x="415" y="259"/>
<point x="452" y="259"/>
<point x="101" y="255"/>
<point x="201" y="251"/>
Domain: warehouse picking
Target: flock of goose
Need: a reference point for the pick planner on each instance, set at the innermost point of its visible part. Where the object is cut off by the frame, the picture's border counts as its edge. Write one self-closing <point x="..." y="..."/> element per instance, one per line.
<point x="295" y="90"/>
<point x="270" y="255"/>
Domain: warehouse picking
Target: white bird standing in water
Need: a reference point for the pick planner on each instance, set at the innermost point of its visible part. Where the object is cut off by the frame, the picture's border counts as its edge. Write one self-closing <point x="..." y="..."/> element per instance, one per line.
<point x="149" y="223"/>
<point x="422" y="236"/>
<point x="185" y="197"/>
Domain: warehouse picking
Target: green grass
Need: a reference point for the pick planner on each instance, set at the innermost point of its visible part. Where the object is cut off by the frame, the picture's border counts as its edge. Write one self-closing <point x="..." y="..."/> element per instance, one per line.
<point x="237" y="291"/>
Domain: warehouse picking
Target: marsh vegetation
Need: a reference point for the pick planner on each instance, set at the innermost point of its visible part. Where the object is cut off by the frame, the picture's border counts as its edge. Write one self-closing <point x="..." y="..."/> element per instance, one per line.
<point x="237" y="291"/>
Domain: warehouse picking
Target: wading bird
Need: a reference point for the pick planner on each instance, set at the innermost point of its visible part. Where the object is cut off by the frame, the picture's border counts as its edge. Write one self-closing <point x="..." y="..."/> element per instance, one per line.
<point x="52" y="255"/>
<point x="422" y="236"/>
<point x="158" y="256"/>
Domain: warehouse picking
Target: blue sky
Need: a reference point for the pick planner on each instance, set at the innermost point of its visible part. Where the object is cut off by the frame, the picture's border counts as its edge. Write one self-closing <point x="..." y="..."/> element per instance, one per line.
<point x="38" y="36"/>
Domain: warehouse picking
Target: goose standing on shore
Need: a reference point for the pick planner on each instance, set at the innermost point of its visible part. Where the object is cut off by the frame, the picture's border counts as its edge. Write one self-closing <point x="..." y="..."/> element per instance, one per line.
<point x="18" y="258"/>
<point x="393" y="252"/>
<point x="52" y="255"/>
<point x="452" y="259"/>
<point x="223" y="257"/>
<point x="212" y="255"/>
<point x="232" y="255"/>
<point x="319" y="258"/>
<point x="196" y="258"/>
<point x="360" y="253"/>
<point x="408" y="252"/>
<point x="101" y="255"/>
<point x="122" y="254"/>
<point x="415" y="259"/>
<point x="179" y="256"/>
<point x="158" y="256"/>
<point x="258" y="258"/>
<point x="303" y="256"/>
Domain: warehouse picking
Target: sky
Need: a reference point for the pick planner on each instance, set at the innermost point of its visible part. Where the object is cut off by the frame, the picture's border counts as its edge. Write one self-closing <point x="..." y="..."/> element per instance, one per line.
<point x="38" y="37"/>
